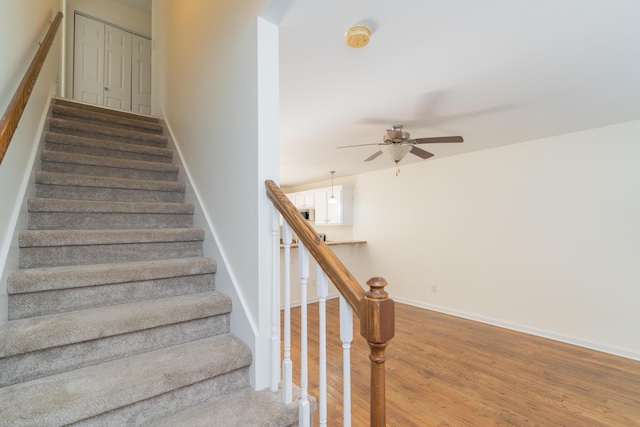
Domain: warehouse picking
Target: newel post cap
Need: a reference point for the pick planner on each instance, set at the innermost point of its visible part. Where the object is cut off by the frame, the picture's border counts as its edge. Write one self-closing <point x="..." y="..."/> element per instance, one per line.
<point x="377" y="322"/>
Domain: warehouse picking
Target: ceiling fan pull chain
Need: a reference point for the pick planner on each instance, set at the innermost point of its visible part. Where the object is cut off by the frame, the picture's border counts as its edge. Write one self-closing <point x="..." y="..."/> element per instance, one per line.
<point x="398" y="169"/>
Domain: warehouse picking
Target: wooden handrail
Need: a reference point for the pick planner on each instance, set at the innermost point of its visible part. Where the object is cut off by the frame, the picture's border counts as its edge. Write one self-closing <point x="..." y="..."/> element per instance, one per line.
<point x="374" y="307"/>
<point x="11" y="117"/>
<point x="341" y="277"/>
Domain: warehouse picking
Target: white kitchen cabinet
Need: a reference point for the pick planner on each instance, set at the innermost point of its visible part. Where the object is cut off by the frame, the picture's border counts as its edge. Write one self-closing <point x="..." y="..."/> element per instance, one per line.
<point x="340" y="213"/>
<point x="321" y="207"/>
<point x="304" y="200"/>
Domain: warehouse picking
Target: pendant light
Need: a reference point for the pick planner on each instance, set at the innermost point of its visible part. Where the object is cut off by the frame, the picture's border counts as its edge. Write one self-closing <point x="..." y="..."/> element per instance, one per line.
<point x="332" y="200"/>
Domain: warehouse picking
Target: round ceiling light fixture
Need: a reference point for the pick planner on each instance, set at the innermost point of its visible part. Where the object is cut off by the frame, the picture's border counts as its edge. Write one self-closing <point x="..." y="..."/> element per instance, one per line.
<point x="358" y="36"/>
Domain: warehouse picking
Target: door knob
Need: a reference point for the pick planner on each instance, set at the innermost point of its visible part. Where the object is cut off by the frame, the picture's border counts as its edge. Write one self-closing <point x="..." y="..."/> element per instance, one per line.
<point x="106" y="88"/>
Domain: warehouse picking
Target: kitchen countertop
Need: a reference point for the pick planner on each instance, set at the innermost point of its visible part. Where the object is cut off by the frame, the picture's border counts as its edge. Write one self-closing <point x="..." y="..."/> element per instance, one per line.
<point x="333" y="243"/>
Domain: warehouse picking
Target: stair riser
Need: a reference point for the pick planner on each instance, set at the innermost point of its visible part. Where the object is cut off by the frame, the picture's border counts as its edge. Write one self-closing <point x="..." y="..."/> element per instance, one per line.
<point x="106" y="120"/>
<point x="146" y="411"/>
<point x="107" y="194"/>
<point x="105" y="152"/>
<point x="106" y="171"/>
<point x="50" y="302"/>
<point x="53" y="256"/>
<point x="107" y="134"/>
<point x="37" y="364"/>
<point x="104" y="221"/>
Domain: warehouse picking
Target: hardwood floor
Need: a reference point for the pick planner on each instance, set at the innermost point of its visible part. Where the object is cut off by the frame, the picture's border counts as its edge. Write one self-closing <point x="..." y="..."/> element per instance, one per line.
<point x="447" y="371"/>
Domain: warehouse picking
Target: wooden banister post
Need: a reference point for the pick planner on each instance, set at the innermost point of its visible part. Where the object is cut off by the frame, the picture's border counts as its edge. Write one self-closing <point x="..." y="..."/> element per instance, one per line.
<point x="377" y="326"/>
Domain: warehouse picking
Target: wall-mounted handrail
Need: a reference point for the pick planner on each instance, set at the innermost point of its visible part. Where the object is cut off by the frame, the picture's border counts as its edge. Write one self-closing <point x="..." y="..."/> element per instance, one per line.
<point x="374" y="307"/>
<point x="11" y="117"/>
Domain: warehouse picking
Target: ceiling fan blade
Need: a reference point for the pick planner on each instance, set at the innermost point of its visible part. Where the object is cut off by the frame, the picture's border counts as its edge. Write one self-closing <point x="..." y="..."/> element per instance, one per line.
<point x="374" y="155"/>
<point x="421" y="153"/>
<point x="437" y="139"/>
<point x="359" y="145"/>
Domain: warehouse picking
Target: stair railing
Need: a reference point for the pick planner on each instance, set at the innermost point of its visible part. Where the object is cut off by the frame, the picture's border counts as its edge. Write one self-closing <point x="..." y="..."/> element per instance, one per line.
<point x="374" y="308"/>
<point x="11" y="117"/>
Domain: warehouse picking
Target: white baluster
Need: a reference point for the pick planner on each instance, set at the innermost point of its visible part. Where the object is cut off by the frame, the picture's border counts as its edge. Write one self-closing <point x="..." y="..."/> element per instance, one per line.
<point x="323" y="291"/>
<point x="287" y="365"/>
<point x="304" y="411"/>
<point x="275" y="311"/>
<point x="346" y="336"/>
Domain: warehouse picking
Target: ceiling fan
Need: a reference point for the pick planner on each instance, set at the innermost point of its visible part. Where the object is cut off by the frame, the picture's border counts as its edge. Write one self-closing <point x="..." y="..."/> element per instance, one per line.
<point x="397" y="143"/>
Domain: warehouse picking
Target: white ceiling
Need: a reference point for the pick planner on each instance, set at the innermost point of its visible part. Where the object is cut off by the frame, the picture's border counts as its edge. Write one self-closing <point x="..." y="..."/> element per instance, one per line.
<point x="495" y="71"/>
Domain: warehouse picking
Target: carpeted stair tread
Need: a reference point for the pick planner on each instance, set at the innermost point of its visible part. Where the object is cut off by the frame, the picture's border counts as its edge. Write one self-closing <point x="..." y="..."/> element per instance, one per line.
<point x="51" y="290"/>
<point x="104" y="110"/>
<point x="54" y="278"/>
<point x="102" y="119"/>
<point x="52" y="238"/>
<point x="71" y="214"/>
<point x="96" y="147"/>
<point x="84" y="159"/>
<point x="243" y="407"/>
<point x="72" y="127"/>
<point x="56" y="330"/>
<point x="55" y="248"/>
<point x="76" y="395"/>
<point x="55" y="178"/>
<point x="55" y="185"/>
<point x="93" y="206"/>
<point x="55" y="360"/>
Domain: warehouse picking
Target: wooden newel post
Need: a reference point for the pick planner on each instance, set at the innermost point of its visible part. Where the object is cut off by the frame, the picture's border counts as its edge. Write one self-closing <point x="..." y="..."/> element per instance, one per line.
<point x="377" y="326"/>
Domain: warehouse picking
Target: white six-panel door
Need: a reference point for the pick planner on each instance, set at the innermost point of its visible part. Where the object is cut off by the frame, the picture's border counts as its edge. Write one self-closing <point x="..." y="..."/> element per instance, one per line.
<point x="88" y="61"/>
<point x="117" y="68"/>
<point x="141" y="75"/>
<point x="112" y="67"/>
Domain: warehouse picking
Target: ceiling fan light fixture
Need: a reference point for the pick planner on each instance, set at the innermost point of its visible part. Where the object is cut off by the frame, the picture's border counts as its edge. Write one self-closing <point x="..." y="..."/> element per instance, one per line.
<point x="396" y="152"/>
<point x="395" y="134"/>
<point x="358" y="36"/>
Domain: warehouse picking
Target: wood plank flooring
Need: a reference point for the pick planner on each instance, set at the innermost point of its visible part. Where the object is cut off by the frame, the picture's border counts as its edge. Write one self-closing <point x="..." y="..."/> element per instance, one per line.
<point x="447" y="371"/>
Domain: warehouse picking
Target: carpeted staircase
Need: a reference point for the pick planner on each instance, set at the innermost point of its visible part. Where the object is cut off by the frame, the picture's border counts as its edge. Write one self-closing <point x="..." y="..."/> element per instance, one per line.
<point x="114" y="317"/>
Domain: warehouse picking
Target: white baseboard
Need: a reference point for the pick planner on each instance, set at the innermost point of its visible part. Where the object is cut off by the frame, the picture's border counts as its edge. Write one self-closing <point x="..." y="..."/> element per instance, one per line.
<point x="622" y="352"/>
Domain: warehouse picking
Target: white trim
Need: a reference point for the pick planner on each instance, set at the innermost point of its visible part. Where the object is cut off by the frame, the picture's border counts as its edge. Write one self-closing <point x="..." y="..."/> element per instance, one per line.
<point x="63" y="51"/>
<point x="616" y="351"/>
<point x="223" y="255"/>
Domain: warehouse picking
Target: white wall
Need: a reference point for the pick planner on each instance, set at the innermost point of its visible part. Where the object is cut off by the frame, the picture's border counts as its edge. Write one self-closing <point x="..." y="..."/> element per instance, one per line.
<point x="540" y="236"/>
<point x="268" y="169"/>
<point x="109" y="11"/>
<point x="23" y="24"/>
<point x="206" y="84"/>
